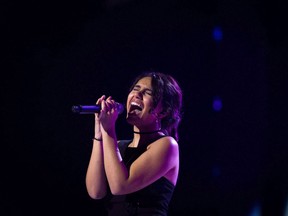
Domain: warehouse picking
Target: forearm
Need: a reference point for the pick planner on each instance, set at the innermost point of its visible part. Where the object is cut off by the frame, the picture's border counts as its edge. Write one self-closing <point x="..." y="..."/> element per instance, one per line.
<point x="116" y="171"/>
<point x="96" y="182"/>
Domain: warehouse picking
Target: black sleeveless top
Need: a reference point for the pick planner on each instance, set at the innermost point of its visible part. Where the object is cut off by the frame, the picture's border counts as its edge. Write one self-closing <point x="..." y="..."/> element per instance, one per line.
<point x="152" y="200"/>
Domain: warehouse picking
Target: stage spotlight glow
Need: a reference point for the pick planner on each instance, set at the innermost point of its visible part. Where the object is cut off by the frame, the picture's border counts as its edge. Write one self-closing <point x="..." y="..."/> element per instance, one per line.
<point x="217" y="104"/>
<point x="217" y="34"/>
<point x="286" y="208"/>
<point x="256" y="210"/>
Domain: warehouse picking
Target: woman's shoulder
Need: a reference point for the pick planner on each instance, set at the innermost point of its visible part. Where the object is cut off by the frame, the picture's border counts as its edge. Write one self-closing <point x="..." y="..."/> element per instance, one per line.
<point x="166" y="140"/>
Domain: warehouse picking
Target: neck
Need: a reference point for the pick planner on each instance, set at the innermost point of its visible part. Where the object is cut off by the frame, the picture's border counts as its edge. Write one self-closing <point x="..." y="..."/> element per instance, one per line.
<point x="147" y="132"/>
<point x="144" y="138"/>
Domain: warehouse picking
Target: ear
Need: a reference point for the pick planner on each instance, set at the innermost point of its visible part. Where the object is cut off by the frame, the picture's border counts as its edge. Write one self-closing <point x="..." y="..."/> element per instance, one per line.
<point x="162" y="114"/>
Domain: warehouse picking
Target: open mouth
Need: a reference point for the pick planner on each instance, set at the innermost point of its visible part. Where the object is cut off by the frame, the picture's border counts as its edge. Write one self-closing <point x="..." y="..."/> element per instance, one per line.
<point x="135" y="107"/>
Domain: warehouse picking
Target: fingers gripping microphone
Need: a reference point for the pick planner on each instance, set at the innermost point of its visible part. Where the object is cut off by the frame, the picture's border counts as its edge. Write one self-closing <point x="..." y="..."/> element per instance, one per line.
<point x="92" y="109"/>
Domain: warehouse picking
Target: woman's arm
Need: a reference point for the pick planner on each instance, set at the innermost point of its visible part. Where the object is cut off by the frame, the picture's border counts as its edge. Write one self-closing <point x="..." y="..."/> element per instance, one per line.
<point x="161" y="158"/>
<point x="96" y="182"/>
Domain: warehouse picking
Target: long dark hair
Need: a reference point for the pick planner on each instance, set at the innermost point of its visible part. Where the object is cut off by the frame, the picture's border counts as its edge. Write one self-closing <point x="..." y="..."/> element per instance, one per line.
<point x="167" y="89"/>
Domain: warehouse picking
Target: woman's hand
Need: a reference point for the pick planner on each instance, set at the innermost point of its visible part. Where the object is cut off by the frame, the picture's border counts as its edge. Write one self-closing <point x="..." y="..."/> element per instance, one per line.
<point x="97" y="128"/>
<point x="108" y="114"/>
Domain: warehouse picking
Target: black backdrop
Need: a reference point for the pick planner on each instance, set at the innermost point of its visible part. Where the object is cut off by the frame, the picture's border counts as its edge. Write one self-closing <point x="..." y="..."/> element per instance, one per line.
<point x="59" y="54"/>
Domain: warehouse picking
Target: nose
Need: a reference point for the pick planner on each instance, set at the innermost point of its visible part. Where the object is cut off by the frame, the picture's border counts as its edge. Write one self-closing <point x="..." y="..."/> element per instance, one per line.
<point x="139" y="94"/>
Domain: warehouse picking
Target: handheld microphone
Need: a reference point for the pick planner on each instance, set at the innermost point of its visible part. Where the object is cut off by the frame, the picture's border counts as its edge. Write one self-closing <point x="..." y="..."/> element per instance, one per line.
<point x="92" y="109"/>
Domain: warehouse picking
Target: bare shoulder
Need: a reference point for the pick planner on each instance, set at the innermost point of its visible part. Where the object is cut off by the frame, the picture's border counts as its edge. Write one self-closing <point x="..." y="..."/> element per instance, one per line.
<point x="165" y="142"/>
<point x="168" y="139"/>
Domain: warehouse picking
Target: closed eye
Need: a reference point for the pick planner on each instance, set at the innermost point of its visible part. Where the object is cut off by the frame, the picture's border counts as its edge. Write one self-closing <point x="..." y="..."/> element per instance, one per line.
<point x="143" y="91"/>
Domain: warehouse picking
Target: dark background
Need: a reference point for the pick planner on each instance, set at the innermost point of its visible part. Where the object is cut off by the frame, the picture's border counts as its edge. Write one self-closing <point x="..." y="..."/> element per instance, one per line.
<point x="62" y="53"/>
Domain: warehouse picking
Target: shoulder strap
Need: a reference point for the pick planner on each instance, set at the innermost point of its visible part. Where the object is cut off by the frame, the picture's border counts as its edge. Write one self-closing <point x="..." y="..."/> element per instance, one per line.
<point x="123" y="144"/>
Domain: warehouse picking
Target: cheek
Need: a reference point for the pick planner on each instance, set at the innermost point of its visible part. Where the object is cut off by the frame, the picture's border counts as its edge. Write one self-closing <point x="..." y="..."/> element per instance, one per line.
<point x="128" y="99"/>
<point x="149" y="105"/>
<point x="148" y="102"/>
<point x="130" y="95"/>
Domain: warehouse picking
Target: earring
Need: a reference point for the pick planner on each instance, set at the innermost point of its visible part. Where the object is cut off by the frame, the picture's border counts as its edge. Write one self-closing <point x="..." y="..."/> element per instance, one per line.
<point x="158" y="123"/>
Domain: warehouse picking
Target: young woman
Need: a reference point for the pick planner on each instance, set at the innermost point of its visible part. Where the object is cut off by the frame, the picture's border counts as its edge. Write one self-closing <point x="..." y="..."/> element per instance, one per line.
<point x="138" y="176"/>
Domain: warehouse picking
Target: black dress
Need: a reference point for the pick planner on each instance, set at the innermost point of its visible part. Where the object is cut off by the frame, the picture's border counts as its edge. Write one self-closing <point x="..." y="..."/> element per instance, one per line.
<point x="152" y="200"/>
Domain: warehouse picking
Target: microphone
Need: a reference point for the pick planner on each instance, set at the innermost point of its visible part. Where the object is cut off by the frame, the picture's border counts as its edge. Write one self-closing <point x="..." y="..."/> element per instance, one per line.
<point x="92" y="109"/>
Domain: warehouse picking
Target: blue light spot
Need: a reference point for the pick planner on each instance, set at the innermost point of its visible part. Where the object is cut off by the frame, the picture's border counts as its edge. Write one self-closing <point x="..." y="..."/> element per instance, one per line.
<point x="256" y="210"/>
<point x="216" y="171"/>
<point x="217" y="33"/>
<point x="286" y="208"/>
<point x="217" y="104"/>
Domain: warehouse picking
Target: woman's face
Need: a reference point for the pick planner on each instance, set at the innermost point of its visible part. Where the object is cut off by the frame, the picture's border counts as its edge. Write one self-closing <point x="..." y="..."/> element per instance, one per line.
<point x="140" y="110"/>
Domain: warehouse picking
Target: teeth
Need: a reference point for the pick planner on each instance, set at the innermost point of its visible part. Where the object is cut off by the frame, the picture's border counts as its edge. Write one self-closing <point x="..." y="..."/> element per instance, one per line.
<point x="136" y="104"/>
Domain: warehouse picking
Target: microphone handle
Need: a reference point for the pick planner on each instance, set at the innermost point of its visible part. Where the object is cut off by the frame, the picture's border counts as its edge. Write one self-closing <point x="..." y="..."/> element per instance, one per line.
<point x="86" y="109"/>
<point x="92" y="109"/>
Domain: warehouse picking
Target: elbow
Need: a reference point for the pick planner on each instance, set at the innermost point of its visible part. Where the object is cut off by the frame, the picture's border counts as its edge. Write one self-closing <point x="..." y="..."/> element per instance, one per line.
<point x="121" y="187"/>
<point x="117" y="190"/>
<point x="96" y="194"/>
<point x="117" y="193"/>
<point x="96" y="189"/>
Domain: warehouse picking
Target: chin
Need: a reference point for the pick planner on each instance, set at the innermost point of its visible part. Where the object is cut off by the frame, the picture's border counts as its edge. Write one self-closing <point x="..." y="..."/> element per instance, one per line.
<point x="131" y="119"/>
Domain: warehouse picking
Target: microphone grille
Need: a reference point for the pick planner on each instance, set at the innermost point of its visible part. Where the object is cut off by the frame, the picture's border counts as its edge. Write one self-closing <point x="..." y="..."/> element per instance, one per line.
<point x="120" y="108"/>
<point x="75" y="109"/>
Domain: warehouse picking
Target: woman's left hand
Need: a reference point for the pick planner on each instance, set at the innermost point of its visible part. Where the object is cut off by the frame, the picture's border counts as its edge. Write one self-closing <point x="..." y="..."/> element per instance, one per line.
<point x="108" y="114"/>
